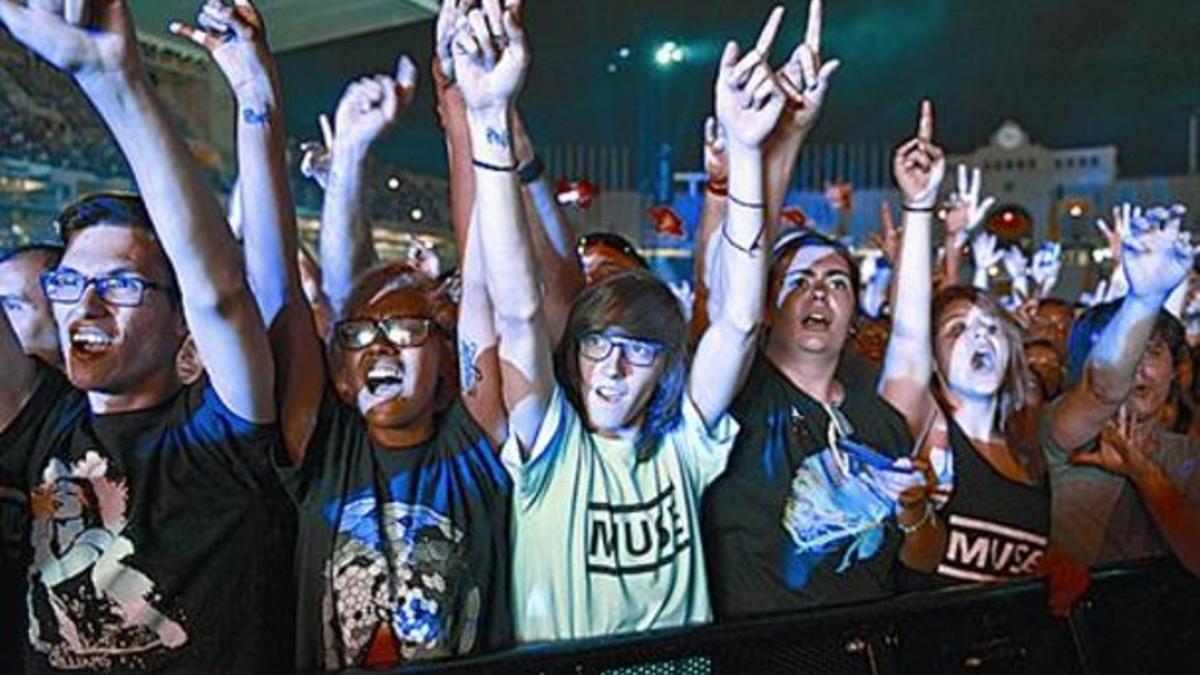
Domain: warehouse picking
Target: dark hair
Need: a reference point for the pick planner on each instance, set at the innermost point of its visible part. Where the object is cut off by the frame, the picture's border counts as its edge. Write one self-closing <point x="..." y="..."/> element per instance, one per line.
<point x="792" y="241"/>
<point x="1091" y="324"/>
<point x="52" y="252"/>
<point x="398" y="277"/>
<point x="642" y="305"/>
<point x="120" y="209"/>
<point x="116" y="209"/>
<point x="611" y="240"/>
<point x="1015" y="418"/>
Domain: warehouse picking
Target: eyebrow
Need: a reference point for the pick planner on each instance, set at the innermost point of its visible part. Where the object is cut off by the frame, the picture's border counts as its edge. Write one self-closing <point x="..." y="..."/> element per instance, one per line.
<point x="809" y="273"/>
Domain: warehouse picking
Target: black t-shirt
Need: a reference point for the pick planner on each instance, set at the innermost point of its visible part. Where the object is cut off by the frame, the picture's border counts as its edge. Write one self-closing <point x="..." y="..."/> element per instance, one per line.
<point x="159" y="537"/>
<point x="403" y="554"/>
<point x="997" y="528"/>
<point x="781" y="533"/>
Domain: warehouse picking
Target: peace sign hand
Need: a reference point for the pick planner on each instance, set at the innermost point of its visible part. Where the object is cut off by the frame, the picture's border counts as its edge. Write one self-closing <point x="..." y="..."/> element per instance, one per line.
<point x="749" y="99"/>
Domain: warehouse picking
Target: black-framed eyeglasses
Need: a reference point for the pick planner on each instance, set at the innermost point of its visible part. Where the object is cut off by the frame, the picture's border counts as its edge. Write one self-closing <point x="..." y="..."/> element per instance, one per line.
<point x="120" y="290"/>
<point x="597" y="347"/>
<point x="356" y="334"/>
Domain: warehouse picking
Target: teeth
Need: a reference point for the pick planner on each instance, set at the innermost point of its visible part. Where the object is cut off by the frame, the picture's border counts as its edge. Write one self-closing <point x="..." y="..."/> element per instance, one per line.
<point x="90" y="337"/>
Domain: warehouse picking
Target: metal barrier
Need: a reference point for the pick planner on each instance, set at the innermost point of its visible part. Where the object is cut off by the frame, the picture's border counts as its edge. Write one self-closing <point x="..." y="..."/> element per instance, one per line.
<point x="1136" y="619"/>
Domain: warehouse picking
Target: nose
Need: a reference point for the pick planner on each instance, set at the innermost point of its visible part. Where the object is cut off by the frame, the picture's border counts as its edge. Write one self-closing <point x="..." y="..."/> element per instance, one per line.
<point x="90" y="303"/>
<point x="615" y="364"/>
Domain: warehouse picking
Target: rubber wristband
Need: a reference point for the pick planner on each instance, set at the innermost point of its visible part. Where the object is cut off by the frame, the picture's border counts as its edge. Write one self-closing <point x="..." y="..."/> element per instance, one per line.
<point x="494" y="167"/>
<point x="531" y="170"/>
<point x="745" y="204"/>
<point x="719" y="189"/>
<point x="916" y="209"/>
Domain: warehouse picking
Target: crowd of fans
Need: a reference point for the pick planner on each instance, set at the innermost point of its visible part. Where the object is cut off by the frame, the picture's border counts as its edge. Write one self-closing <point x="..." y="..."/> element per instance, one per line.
<point x="544" y="443"/>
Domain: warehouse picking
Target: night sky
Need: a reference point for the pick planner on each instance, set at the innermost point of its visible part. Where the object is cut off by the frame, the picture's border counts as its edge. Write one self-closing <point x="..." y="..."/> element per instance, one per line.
<point x="1072" y="72"/>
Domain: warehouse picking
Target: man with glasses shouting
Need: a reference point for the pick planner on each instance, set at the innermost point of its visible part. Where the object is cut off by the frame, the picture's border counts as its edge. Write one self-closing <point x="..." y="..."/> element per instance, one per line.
<point x="157" y="526"/>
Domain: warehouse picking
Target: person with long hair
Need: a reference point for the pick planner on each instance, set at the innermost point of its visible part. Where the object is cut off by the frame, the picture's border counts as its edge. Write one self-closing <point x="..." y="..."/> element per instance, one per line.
<point x="956" y="370"/>
<point x="611" y="454"/>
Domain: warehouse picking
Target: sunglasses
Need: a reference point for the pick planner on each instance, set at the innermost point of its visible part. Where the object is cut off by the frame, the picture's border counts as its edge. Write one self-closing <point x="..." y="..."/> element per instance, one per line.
<point x="356" y="334"/>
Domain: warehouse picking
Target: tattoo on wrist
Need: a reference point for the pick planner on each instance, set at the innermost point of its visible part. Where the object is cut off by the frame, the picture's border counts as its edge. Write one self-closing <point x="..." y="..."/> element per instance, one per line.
<point x="498" y="138"/>
<point x="468" y="374"/>
<point x="256" y="118"/>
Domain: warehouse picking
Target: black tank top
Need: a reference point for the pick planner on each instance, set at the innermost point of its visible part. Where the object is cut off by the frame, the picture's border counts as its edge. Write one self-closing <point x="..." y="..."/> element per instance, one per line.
<point x="998" y="528"/>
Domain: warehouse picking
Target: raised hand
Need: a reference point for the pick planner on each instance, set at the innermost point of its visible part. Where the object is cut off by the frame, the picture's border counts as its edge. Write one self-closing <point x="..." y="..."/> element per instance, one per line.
<point x="234" y="37"/>
<point x="716" y="157"/>
<point x="919" y="165"/>
<point x="371" y="105"/>
<point x="316" y="157"/>
<point x="1017" y="267"/>
<point x="966" y="210"/>
<point x="491" y="57"/>
<point x="875" y="272"/>
<point x="1113" y="233"/>
<point x="1046" y="266"/>
<point x="1125" y="447"/>
<point x="749" y="99"/>
<point x="1156" y="254"/>
<point x="85" y="38"/>
<point x="443" y="34"/>
<point x="887" y="239"/>
<point x="804" y="78"/>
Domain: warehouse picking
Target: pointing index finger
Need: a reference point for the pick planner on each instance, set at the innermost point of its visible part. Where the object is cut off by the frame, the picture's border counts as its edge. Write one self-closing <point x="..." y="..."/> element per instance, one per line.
<point x="770" y="29"/>
<point x="812" y="36"/>
<point x="925" y="127"/>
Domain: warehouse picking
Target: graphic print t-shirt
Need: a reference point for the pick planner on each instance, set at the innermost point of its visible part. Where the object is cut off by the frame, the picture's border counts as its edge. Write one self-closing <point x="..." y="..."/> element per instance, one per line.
<point x="159" y="537"/>
<point x="787" y="526"/>
<point x="605" y="544"/>
<point x="997" y="528"/>
<point x="402" y="554"/>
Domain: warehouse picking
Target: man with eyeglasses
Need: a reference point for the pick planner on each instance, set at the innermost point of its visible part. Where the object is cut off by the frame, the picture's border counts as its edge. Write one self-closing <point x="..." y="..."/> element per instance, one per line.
<point x="158" y="529"/>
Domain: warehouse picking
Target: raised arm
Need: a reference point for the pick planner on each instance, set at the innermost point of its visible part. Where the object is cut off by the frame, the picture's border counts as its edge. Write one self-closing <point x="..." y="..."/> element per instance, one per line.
<point x="235" y="38"/>
<point x="553" y="238"/>
<point x="94" y="42"/>
<point x="919" y="167"/>
<point x="748" y="101"/>
<point x="1156" y="258"/>
<point x="712" y="214"/>
<point x="490" y="61"/>
<point x="368" y="109"/>
<point x="805" y="80"/>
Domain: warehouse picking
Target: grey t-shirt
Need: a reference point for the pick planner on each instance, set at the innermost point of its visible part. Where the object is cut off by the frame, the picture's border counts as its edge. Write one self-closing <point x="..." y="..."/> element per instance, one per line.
<point x="1098" y="515"/>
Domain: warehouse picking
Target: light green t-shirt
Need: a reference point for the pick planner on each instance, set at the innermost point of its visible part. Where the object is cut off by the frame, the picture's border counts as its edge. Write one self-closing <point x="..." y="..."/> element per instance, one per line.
<point x="605" y="544"/>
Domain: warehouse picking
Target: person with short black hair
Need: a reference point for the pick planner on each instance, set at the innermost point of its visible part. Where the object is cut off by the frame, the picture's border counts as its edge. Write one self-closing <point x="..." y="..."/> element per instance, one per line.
<point x="155" y="515"/>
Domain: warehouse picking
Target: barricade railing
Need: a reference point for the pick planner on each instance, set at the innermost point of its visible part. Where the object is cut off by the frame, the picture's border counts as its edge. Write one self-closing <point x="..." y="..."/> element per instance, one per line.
<point x="1142" y="618"/>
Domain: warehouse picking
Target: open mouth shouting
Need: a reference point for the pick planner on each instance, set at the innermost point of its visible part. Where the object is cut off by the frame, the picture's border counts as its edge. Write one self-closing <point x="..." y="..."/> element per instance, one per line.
<point x="818" y="319"/>
<point x="983" y="359"/>
<point x="611" y="394"/>
<point x="385" y="379"/>
<point x="89" y="340"/>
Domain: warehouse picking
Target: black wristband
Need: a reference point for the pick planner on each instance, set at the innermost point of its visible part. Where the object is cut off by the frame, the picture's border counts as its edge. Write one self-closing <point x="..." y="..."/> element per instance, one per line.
<point x="743" y="203"/>
<point x="916" y="209"/>
<point x="493" y="167"/>
<point x="531" y="170"/>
